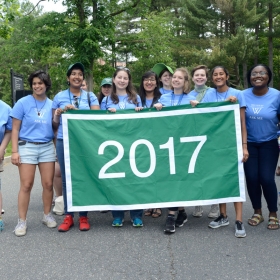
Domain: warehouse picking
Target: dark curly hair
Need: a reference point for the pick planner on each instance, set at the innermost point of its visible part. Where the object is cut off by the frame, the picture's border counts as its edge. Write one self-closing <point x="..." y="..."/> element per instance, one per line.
<point x="43" y="76"/>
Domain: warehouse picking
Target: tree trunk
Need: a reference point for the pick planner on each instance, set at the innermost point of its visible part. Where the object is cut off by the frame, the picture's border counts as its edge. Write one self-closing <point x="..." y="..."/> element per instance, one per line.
<point x="245" y="83"/>
<point x="270" y="41"/>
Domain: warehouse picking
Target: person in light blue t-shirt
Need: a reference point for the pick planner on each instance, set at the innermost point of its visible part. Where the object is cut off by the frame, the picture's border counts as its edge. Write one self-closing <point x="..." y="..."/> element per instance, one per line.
<point x="262" y="118"/>
<point x="180" y="95"/>
<point x="164" y="73"/>
<point x="32" y="144"/>
<point x="5" y="136"/>
<point x="150" y="94"/>
<point x="73" y="98"/>
<point x="123" y="97"/>
<point x="199" y="77"/>
<point x="223" y="92"/>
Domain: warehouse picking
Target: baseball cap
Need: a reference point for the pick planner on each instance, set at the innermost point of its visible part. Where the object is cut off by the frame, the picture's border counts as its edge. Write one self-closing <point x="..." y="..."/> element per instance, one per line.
<point x="159" y="67"/>
<point x="77" y="65"/>
<point x="106" y="81"/>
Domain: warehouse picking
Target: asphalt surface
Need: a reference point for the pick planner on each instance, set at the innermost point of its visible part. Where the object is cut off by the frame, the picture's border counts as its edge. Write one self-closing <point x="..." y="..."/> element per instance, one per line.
<point x="193" y="252"/>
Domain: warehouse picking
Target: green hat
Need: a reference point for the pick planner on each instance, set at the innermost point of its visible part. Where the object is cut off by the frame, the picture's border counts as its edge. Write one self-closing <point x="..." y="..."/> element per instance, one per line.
<point x="159" y="67"/>
<point x="77" y="65"/>
<point x="106" y="81"/>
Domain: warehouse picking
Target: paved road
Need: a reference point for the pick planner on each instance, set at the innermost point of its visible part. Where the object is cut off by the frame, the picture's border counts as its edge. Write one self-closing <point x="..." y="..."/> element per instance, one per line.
<point x="193" y="252"/>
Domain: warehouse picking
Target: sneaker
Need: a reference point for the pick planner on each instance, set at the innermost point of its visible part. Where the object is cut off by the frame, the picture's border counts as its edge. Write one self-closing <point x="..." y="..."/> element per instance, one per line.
<point x="198" y="211"/>
<point x="66" y="224"/>
<point x="84" y="225"/>
<point x="117" y="222"/>
<point x="221" y="221"/>
<point x="49" y="221"/>
<point x="239" y="229"/>
<point x="20" y="229"/>
<point x="214" y="211"/>
<point x="3" y="211"/>
<point x="137" y="222"/>
<point x="170" y="225"/>
<point x="1" y="224"/>
<point x="182" y="218"/>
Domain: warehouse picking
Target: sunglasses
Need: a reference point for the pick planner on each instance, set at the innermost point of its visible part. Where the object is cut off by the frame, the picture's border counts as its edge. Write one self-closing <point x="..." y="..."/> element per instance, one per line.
<point x="76" y="101"/>
<point x="123" y="68"/>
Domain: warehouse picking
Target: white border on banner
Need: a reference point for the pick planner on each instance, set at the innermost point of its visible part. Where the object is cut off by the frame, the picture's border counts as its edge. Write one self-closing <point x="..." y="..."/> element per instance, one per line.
<point x="158" y="114"/>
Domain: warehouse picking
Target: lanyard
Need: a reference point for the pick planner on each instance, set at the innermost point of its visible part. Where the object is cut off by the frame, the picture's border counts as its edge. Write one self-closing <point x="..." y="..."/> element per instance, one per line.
<point x="179" y="101"/>
<point x="77" y="104"/>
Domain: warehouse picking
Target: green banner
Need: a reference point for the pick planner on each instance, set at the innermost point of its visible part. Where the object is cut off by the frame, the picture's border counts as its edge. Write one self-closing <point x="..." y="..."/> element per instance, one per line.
<point x="179" y="156"/>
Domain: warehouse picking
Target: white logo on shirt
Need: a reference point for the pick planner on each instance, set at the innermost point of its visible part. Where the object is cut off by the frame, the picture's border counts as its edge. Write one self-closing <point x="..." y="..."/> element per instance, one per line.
<point x="41" y="113"/>
<point x="256" y="108"/>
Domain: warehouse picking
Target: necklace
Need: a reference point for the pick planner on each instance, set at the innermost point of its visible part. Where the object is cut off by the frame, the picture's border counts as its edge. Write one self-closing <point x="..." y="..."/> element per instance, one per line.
<point x="179" y="101"/>
<point x="38" y="111"/>
<point x="218" y="96"/>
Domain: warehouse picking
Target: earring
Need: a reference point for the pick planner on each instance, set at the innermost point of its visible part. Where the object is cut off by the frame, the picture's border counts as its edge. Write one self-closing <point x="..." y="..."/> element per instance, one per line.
<point x="68" y="83"/>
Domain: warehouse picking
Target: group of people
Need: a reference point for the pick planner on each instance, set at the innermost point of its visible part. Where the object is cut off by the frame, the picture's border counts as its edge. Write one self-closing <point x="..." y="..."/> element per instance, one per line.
<point x="35" y="121"/>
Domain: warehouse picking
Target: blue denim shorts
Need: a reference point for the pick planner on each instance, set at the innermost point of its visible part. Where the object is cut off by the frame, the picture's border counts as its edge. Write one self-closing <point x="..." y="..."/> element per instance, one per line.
<point x="33" y="154"/>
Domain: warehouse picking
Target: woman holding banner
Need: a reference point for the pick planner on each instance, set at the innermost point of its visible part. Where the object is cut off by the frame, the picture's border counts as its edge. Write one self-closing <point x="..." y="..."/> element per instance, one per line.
<point x="150" y="94"/>
<point x="179" y="96"/>
<point x="223" y="92"/>
<point x="164" y="73"/>
<point x="32" y="144"/>
<point x="199" y="77"/>
<point x="262" y="117"/>
<point x="73" y="98"/>
<point x="123" y="96"/>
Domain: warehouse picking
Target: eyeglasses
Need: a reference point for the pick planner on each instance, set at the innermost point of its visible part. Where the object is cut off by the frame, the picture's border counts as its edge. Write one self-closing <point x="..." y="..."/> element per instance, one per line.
<point x="261" y="73"/>
<point x="106" y="86"/>
<point x="149" y="80"/>
<point x="123" y="68"/>
<point x="76" y="101"/>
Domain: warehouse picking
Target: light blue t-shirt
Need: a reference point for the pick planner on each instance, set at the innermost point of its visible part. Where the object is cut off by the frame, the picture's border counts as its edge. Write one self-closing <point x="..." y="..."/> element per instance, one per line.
<point x="36" y="119"/>
<point x="261" y="115"/>
<point x="194" y="93"/>
<point x="123" y="103"/>
<point x="215" y="96"/>
<point x="5" y="119"/>
<point x="171" y="99"/>
<point x="66" y="97"/>
<point x="165" y="91"/>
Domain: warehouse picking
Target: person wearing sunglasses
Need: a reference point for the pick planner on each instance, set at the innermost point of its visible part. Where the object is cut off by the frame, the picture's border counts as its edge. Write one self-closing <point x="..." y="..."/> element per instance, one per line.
<point x="105" y="89"/>
<point x="32" y="144"/>
<point x="73" y="98"/>
<point x="123" y="97"/>
<point x="150" y="94"/>
<point x="262" y="117"/>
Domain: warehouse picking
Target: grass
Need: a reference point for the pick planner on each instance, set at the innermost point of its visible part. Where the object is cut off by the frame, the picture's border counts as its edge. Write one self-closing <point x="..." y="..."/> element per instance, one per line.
<point x="9" y="149"/>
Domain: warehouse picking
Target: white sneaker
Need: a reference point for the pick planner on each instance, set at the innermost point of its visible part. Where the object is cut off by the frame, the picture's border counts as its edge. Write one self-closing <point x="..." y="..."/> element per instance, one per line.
<point x="198" y="211"/>
<point x="214" y="211"/>
<point x="49" y="221"/>
<point x="20" y="229"/>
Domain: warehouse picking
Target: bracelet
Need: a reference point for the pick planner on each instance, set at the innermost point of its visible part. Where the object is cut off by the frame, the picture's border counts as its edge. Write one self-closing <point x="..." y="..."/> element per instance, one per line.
<point x="14" y="152"/>
<point x="245" y="143"/>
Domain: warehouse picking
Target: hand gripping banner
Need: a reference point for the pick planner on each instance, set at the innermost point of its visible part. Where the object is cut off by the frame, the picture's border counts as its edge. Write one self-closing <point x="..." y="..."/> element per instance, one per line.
<point x="179" y="156"/>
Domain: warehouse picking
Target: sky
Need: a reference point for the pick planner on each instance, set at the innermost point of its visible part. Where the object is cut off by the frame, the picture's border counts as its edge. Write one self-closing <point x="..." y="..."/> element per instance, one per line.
<point x="50" y="5"/>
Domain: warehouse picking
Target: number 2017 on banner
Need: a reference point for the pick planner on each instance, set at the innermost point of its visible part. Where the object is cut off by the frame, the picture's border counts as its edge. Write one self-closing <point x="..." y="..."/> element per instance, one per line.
<point x="169" y="145"/>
